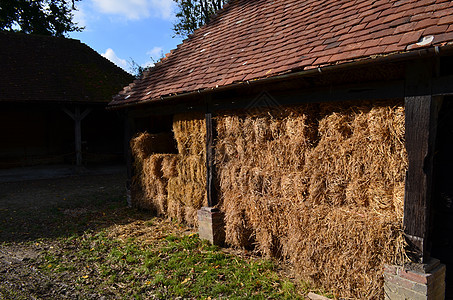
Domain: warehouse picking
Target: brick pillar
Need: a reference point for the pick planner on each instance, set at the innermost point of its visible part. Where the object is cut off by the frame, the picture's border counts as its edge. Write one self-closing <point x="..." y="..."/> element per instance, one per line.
<point x="415" y="281"/>
<point x="211" y="225"/>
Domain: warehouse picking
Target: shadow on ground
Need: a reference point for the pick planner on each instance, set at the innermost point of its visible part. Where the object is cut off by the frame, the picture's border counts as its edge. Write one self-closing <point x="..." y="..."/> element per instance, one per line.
<point x="31" y="210"/>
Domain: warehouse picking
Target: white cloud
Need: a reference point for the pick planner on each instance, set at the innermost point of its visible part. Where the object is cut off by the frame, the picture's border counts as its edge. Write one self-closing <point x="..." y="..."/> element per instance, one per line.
<point x="137" y="9"/>
<point x="155" y="53"/>
<point x="80" y="17"/>
<point x="163" y="8"/>
<point x="110" y="55"/>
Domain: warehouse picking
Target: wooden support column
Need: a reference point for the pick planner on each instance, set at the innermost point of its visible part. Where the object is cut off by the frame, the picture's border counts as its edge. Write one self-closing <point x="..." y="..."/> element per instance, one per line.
<point x="210" y="219"/>
<point x="129" y="130"/>
<point x="421" y="117"/>
<point x="210" y="161"/>
<point x="421" y="120"/>
<point x="77" y="116"/>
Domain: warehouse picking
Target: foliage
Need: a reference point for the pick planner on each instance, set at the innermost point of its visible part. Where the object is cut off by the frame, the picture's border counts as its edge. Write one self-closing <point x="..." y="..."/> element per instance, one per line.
<point x="172" y="267"/>
<point x="138" y="70"/>
<point x="45" y="17"/>
<point x="194" y="14"/>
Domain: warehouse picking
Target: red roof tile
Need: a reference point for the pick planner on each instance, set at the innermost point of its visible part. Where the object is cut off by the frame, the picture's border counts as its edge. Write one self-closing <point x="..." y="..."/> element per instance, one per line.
<point x="254" y="39"/>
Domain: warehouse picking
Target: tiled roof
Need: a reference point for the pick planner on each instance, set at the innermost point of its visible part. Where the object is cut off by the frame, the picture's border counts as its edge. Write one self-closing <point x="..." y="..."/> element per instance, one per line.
<point x="40" y="68"/>
<point x="254" y="39"/>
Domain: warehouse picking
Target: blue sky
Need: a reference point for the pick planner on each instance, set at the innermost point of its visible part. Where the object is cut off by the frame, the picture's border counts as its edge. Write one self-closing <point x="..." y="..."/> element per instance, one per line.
<point x="122" y="30"/>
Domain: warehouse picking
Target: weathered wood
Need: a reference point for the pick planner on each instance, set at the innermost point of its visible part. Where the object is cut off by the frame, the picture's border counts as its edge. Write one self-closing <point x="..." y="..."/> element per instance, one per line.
<point x="129" y="130"/>
<point x="443" y="86"/>
<point x="78" y="135"/>
<point x="421" y="120"/>
<point x="77" y="116"/>
<point x="210" y="167"/>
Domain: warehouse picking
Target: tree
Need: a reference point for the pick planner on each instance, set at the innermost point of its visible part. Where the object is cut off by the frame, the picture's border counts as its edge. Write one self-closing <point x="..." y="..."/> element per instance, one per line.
<point x="45" y="17"/>
<point x="193" y="14"/>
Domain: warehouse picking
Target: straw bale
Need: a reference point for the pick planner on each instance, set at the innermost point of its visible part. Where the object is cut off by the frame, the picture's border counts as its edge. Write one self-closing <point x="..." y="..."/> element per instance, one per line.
<point x="151" y="183"/>
<point x="190" y="133"/>
<point x="169" y="166"/>
<point x="186" y="174"/>
<point x="144" y="144"/>
<point x="319" y="184"/>
<point x="149" y="188"/>
<point x="172" y="184"/>
<point x="175" y="209"/>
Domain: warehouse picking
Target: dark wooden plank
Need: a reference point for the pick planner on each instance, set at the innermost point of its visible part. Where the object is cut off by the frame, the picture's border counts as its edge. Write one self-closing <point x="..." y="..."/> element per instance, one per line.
<point x="210" y="163"/>
<point x="78" y="135"/>
<point x="443" y="86"/>
<point x="351" y="92"/>
<point x="129" y="131"/>
<point x="421" y="120"/>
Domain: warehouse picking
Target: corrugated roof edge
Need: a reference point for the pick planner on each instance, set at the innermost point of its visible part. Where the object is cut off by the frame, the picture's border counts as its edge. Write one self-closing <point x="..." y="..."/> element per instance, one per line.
<point x="392" y="57"/>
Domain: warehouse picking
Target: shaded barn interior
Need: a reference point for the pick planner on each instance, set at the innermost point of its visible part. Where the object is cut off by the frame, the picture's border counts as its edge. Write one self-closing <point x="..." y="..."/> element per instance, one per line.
<point x="442" y="210"/>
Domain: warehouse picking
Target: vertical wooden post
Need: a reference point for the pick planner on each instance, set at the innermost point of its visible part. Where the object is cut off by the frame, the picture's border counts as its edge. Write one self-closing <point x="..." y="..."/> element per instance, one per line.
<point x="77" y="116"/>
<point x="421" y="117"/>
<point x="210" y="157"/>
<point x="78" y="135"/>
<point x="421" y="124"/>
<point x="129" y="129"/>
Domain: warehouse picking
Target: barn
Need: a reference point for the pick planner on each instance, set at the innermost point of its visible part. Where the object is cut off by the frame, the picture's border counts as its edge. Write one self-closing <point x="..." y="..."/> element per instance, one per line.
<point x="316" y="132"/>
<point x="53" y="94"/>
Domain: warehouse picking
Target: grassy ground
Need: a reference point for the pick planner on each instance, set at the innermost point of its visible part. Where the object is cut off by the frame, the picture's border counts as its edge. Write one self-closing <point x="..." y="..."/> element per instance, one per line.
<point x="74" y="238"/>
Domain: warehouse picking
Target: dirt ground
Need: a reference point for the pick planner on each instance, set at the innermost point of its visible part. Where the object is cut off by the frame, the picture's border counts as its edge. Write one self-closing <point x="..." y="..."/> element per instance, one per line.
<point x="41" y="216"/>
<point x="33" y="214"/>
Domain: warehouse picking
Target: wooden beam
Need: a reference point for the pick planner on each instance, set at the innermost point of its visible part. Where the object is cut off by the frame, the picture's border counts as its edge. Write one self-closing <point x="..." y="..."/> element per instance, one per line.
<point x="78" y="135"/>
<point x="421" y="118"/>
<point x="77" y="116"/>
<point x="210" y="161"/>
<point x="129" y="130"/>
<point x="443" y="86"/>
<point x="421" y="124"/>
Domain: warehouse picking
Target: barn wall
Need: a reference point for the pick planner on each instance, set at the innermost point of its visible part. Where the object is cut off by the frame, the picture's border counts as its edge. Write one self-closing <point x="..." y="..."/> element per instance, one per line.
<point x="33" y="135"/>
<point x="321" y="185"/>
<point x="44" y="134"/>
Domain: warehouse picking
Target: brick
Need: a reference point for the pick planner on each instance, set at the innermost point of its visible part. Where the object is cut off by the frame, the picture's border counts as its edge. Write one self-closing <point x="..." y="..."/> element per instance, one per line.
<point x="210" y="226"/>
<point x="391" y="269"/>
<point x="398" y="281"/>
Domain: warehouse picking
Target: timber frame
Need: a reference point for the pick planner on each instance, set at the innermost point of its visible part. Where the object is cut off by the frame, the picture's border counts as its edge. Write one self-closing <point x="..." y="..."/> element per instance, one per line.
<point x="417" y="78"/>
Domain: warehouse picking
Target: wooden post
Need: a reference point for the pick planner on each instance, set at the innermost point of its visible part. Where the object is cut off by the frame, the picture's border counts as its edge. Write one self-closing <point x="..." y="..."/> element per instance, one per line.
<point x="421" y="124"/>
<point x="421" y="117"/>
<point x="78" y="136"/>
<point x="210" y="161"/>
<point x="129" y="130"/>
<point x="77" y="116"/>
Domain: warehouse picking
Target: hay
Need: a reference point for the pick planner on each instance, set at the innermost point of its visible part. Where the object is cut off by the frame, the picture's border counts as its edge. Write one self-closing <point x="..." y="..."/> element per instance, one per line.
<point x="321" y="185"/>
<point x="172" y="184"/>
<point x="190" y="133"/>
<point x="187" y="187"/>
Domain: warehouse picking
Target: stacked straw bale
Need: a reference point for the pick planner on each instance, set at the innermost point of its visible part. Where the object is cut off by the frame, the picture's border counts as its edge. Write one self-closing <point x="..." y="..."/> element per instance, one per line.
<point x="187" y="190"/>
<point x="321" y="185"/>
<point x="172" y="184"/>
<point x="152" y="170"/>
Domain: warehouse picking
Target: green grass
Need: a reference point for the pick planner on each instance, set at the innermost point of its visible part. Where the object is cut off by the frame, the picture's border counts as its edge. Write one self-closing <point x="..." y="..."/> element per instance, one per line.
<point x="175" y="266"/>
